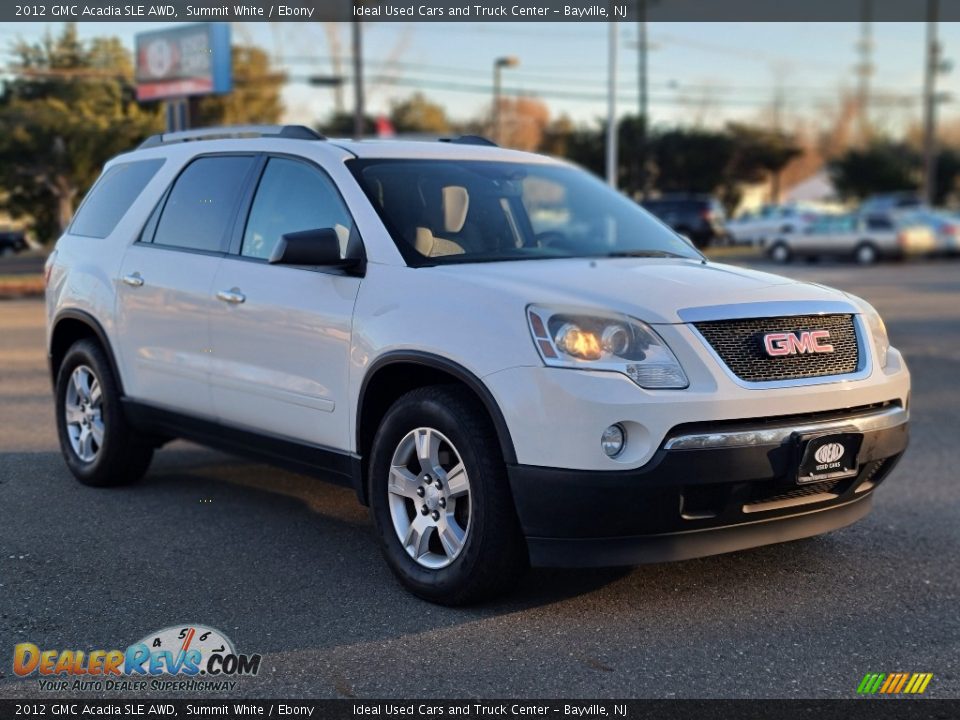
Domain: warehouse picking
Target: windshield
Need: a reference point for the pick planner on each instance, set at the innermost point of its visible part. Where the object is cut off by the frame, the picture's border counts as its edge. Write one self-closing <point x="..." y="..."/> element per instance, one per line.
<point x="445" y="211"/>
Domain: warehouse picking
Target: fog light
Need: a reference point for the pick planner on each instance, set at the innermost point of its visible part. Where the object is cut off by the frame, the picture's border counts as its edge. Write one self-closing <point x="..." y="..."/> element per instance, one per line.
<point x="613" y="440"/>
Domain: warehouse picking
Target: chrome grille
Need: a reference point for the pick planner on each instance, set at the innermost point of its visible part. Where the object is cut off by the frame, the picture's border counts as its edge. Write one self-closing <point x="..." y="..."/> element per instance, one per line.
<point x="739" y="343"/>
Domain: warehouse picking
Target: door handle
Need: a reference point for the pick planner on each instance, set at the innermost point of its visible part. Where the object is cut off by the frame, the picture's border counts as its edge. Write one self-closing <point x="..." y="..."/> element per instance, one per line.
<point x="233" y="295"/>
<point x="133" y="280"/>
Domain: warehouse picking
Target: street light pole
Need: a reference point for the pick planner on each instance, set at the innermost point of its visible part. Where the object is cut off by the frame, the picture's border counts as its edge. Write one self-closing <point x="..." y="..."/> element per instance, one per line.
<point x="612" y="106"/>
<point x="930" y="105"/>
<point x="358" y="113"/>
<point x="498" y="65"/>
<point x="642" y="82"/>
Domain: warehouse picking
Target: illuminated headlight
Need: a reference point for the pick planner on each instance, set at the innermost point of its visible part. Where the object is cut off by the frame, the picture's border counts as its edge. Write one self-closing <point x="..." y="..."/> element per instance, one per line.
<point x="878" y="331"/>
<point x="617" y="343"/>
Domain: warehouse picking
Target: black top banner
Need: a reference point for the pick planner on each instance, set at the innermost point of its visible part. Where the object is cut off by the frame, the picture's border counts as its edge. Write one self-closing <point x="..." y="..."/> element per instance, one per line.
<point x="863" y="709"/>
<point x="481" y="11"/>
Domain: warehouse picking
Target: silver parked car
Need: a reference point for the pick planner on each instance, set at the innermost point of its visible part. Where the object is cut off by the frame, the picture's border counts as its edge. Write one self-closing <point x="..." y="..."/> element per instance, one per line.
<point x="944" y="225"/>
<point x="864" y="238"/>
<point x="759" y="227"/>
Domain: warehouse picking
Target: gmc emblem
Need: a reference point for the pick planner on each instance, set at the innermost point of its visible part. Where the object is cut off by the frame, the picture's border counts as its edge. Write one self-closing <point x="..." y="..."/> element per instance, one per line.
<point x="788" y="343"/>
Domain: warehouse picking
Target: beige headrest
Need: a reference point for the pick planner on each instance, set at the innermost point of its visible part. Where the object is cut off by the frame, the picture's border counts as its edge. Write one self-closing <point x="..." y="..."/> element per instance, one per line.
<point x="456" y="201"/>
<point x="430" y="246"/>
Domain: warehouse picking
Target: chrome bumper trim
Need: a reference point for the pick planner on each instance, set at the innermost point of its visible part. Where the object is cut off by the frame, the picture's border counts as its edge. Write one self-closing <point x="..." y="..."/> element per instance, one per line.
<point x="884" y="419"/>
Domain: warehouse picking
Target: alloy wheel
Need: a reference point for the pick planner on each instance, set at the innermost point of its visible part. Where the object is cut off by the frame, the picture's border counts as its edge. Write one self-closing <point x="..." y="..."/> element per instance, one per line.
<point x="83" y="410"/>
<point x="429" y="494"/>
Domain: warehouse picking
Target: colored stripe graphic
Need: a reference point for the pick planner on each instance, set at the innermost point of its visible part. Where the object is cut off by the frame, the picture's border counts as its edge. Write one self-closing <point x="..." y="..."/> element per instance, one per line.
<point x="901" y="682"/>
<point x="891" y="681"/>
<point x="894" y="683"/>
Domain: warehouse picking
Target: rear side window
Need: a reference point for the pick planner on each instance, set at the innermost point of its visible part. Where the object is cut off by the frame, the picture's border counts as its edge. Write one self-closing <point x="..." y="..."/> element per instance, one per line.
<point x="112" y="196"/>
<point x="879" y="223"/>
<point x="202" y="203"/>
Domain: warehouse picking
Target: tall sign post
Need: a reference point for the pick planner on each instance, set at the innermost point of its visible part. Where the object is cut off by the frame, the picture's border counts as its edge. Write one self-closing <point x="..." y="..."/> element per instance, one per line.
<point x="178" y="63"/>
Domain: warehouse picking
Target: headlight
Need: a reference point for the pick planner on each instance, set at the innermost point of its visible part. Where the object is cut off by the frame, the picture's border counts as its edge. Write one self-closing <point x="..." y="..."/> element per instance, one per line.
<point x="881" y="341"/>
<point x="878" y="331"/>
<point x="617" y="343"/>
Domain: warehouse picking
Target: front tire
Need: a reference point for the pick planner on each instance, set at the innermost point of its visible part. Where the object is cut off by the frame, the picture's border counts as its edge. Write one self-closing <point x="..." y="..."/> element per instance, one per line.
<point x="780" y="253"/>
<point x="440" y="499"/>
<point x="97" y="443"/>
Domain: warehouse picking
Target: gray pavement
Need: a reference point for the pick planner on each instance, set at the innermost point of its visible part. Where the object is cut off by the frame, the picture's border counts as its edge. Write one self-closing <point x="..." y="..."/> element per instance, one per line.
<point x="287" y="566"/>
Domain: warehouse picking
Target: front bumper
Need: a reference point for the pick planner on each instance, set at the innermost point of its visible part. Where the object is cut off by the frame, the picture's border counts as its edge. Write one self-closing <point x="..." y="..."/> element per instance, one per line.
<point x="709" y="489"/>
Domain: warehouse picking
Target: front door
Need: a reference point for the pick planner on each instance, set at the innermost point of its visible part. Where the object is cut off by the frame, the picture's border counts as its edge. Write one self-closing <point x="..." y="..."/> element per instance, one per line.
<point x="281" y="334"/>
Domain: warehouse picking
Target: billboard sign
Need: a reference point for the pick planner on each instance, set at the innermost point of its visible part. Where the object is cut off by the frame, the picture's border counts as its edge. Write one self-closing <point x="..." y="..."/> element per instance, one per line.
<point x="184" y="60"/>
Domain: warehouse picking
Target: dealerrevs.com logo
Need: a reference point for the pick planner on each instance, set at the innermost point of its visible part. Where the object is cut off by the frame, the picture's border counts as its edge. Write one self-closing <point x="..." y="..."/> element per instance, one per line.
<point x="180" y="657"/>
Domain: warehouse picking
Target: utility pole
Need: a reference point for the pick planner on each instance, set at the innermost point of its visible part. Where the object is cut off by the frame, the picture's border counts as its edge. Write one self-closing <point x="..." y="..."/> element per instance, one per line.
<point x="642" y="88"/>
<point x="864" y="69"/>
<point x="358" y="112"/>
<point x="499" y="64"/>
<point x="612" y="105"/>
<point x="930" y="105"/>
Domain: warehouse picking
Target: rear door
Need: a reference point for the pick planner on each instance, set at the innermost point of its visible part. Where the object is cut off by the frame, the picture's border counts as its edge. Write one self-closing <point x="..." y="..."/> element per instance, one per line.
<point x="165" y="296"/>
<point x="881" y="231"/>
<point x="281" y="334"/>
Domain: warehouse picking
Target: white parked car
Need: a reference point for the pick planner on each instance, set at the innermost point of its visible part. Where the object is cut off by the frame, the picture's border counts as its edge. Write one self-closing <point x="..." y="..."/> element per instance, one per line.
<point x="768" y="223"/>
<point x="862" y="238"/>
<point x="509" y="362"/>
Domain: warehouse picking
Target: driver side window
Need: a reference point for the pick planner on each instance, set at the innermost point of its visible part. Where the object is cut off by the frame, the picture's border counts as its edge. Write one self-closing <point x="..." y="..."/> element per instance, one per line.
<point x="293" y="196"/>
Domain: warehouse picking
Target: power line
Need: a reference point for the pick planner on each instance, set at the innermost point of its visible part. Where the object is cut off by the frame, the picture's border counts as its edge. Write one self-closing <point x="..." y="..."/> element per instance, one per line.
<point x="396" y="68"/>
<point x="627" y="96"/>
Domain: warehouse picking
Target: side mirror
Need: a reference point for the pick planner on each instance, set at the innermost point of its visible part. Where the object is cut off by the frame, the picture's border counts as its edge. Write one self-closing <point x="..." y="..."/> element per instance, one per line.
<point x="320" y="247"/>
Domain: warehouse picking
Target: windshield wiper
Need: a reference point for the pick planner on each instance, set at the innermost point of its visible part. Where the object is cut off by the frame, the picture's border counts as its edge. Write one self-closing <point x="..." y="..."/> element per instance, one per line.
<point x="645" y="254"/>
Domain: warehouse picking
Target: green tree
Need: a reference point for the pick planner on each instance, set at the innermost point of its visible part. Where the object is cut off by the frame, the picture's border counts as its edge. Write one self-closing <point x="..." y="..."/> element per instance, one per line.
<point x="691" y="160"/>
<point x="255" y="97"/>
<point x="759" y="154"/>
<point x="882" y="166"/>
<point x="341" y="125"/>
<point x="416" y="114"/>
<point x="948" y="176"/>
<point x="68" y="109"/>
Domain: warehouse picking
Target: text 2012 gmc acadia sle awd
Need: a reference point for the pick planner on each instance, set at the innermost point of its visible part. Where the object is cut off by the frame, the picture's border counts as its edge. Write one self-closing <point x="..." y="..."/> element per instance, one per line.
<point x="509" y="362"/>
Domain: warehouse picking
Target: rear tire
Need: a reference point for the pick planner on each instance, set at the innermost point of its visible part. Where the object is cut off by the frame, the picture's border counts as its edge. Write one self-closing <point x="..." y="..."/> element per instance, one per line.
<point x="436" y="448"/>
<point x="98" y="445"/>
<point x="866" y="254"/>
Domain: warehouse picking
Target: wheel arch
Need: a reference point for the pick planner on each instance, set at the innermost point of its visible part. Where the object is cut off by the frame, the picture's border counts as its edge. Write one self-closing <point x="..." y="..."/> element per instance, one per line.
<point x="70" y="326"/>
<point x="401" y="371"/>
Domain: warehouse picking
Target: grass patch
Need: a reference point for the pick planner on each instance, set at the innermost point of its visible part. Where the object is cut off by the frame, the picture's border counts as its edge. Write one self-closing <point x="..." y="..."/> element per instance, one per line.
<point x="742" y="252"/>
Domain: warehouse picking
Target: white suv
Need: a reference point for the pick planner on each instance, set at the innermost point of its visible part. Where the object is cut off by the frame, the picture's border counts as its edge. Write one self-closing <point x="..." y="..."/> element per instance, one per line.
<point x="509" y="362"/>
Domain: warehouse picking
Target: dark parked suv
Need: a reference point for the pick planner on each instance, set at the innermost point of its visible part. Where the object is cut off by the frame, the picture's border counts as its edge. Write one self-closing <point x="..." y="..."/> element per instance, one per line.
<point x="699" y="217"/>
<point x="12" y="241"/>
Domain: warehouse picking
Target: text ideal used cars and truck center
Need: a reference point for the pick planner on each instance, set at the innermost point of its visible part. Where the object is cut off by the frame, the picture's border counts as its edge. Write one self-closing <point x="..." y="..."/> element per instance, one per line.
<point x="508" y="361"/>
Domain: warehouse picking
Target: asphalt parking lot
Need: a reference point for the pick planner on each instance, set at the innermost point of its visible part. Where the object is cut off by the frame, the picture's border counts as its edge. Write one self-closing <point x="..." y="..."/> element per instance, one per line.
<point x="287" y="566"/>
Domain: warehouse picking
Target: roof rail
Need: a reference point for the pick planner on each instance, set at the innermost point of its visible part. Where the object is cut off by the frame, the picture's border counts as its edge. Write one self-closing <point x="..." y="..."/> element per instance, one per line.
<point x="294" y="132"/>
<point x="470" y="140"/>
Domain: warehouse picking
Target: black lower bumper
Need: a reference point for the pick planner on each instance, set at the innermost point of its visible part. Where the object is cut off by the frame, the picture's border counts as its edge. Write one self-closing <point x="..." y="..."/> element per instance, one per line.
<point x="691" y="503"/>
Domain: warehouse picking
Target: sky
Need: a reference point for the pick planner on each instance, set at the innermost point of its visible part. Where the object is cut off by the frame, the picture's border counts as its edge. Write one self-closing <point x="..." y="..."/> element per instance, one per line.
<point x="699" y="73"/>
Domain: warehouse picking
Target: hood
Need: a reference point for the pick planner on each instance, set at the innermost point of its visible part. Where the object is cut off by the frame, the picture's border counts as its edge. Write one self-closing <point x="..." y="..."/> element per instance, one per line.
<point x="654" y="290"/>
